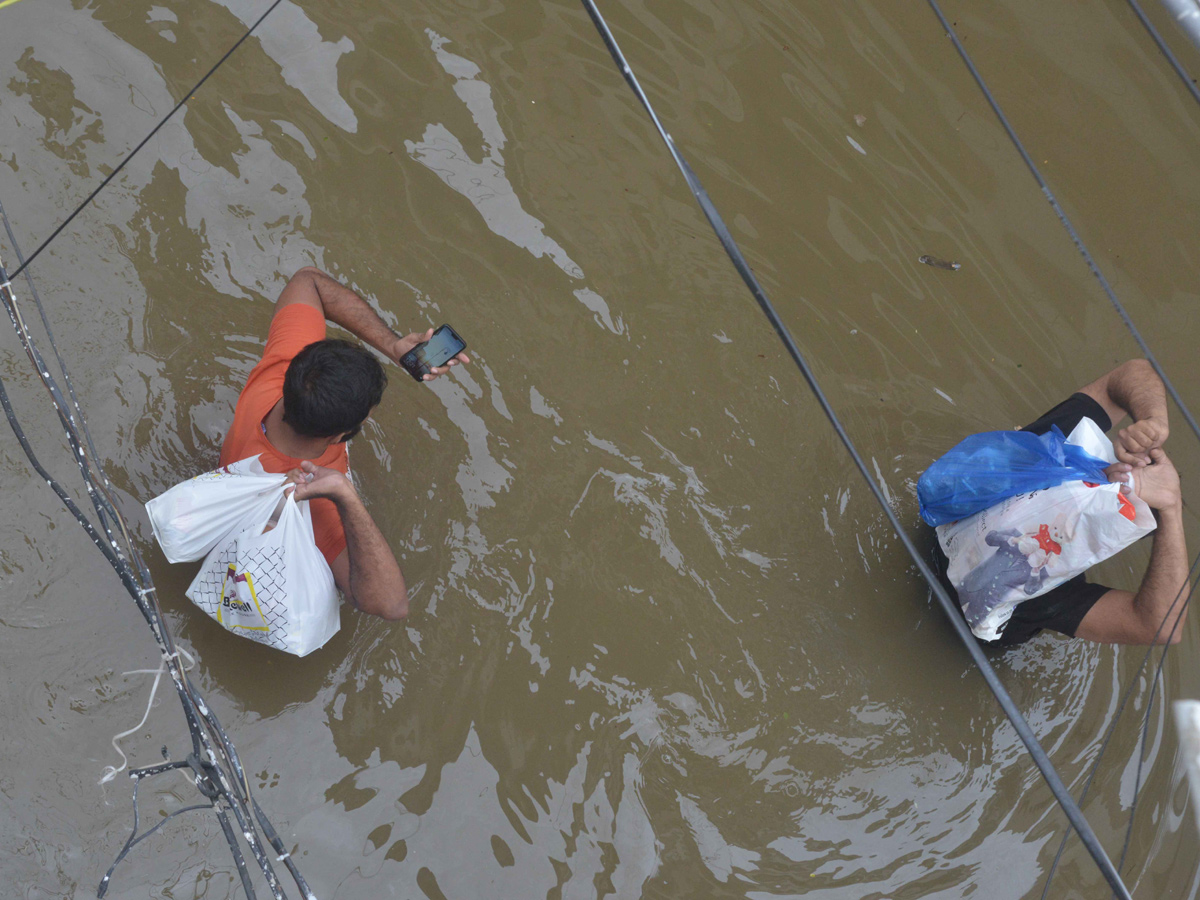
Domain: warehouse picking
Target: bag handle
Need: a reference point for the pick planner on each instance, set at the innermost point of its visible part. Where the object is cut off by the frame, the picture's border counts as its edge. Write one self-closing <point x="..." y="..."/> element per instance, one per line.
<point x="276" y="513"/>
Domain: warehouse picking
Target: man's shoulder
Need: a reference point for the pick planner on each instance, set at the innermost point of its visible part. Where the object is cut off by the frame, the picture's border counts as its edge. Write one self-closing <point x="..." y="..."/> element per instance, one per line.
<point x="293" y="327"/>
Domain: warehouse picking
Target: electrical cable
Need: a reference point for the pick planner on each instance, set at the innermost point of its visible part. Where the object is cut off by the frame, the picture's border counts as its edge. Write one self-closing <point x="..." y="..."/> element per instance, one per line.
<point x="208" y="738"/>
<point x="956" y="620"/>
<point x="62" y="366"/>
<point x="134" y="838"/>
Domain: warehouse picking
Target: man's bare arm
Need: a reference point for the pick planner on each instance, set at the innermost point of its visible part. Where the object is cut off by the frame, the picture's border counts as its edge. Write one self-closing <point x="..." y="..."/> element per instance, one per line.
<point x="1155" y="614"/>
<point x="344" y="307"/>
<point x="373" y="581"/>
<point x="1121" y="617"/>
<point x="366" y="571"/>
<point x="1133" y="388"/>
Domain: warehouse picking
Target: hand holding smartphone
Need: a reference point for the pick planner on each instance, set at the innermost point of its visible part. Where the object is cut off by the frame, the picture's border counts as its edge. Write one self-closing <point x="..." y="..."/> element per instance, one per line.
<point x="443" y="346"/>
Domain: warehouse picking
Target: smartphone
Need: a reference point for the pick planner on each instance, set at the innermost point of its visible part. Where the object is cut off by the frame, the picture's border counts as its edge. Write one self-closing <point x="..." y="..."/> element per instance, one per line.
<point x="437" y="351"/>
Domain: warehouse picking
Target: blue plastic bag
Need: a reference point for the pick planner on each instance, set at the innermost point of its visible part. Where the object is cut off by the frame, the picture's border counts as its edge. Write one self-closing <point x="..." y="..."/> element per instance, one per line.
<point x="987" y="468"/>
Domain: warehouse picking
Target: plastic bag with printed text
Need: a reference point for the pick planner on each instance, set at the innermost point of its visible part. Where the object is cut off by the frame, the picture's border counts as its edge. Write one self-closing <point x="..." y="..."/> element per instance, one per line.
<point x="263" y="576"/>
<point x="1032" y="542"/>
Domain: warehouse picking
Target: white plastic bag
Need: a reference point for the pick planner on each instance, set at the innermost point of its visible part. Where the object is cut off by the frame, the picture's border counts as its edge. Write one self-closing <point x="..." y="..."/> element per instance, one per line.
<point x="263" y="576"/>
<point x="193" y="516"/>
<point x="1031" y="543"/>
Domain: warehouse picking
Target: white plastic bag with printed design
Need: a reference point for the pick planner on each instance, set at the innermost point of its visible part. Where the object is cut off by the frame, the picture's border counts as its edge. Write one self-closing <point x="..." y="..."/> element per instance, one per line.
<point x="263" y="576"/>
<point x="1031" y="543"/>
<point x="192" y="517"/>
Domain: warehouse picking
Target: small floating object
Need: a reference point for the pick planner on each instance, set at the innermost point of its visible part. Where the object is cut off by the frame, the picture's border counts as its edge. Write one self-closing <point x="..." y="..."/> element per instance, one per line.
<point x="938" y="263"/>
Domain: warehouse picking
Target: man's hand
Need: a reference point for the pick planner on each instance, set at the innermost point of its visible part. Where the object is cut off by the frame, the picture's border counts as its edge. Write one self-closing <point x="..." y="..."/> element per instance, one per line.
<point x="1157" y="484"/>
<point x="314" y="481"/>
<point x="1134" y="443"/>
<point x="404" y="344"/>
<point x="343" y="307"/>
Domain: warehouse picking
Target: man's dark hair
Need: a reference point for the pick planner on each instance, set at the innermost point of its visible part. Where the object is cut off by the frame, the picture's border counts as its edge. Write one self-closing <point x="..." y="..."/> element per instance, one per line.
<point x="330" y="388"/>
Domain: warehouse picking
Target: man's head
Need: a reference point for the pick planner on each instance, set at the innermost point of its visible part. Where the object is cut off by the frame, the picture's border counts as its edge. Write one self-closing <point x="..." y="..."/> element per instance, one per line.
<point x="330" y="388"/>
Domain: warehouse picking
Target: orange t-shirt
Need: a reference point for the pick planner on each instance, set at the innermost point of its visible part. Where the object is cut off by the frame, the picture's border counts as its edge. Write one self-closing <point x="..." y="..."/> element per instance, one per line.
<point x="293" y="328"/>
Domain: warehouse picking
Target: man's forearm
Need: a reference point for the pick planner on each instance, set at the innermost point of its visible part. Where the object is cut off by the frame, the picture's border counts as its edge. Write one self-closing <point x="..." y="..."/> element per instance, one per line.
<point x="376" y="582"/>
<point x="1160" y="599"/>
<point x="1137" y="389"/>
<point x="345" y="308"/>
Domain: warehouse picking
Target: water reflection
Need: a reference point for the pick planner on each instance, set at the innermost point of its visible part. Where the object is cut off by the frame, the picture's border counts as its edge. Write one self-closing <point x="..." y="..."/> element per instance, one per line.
<point x="484" y="183"/>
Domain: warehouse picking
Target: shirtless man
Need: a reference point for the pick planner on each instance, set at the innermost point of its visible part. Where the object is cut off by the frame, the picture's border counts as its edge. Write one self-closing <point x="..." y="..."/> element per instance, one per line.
<point x="300" y="405"/>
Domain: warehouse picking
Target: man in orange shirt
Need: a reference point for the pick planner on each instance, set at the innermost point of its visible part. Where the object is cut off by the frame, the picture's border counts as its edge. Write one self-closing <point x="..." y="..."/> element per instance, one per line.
<point x="302" y="402"/>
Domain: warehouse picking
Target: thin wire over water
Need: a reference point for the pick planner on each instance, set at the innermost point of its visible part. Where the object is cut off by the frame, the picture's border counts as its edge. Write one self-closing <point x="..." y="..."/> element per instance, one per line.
<point x="132" y="153"/>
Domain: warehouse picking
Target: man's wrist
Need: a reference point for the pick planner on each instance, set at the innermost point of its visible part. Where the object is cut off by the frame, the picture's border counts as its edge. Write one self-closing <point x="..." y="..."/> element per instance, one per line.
<point x="346" y="496"/>
<point x="1172" y="514"/>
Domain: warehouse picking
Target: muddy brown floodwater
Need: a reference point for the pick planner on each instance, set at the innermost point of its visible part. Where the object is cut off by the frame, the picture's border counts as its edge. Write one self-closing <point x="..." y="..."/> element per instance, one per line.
<point x="662" y="642"/>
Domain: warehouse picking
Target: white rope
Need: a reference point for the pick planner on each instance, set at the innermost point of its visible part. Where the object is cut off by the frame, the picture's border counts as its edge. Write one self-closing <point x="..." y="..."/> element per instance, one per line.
<point x="111" y="772"/>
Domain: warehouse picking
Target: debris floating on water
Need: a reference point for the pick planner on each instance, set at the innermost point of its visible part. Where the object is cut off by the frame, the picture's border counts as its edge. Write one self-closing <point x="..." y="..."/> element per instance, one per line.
<point x="860" y="120"/>
<point x="938" y="263"/>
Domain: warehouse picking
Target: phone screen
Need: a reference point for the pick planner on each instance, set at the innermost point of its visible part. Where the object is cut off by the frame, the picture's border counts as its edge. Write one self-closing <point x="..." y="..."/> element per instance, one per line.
<point x="444" y="345"/>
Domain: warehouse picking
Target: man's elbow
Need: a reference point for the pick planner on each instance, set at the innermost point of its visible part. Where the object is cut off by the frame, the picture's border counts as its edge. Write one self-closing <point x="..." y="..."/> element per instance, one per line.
<point x="1164" y="630"/>
<point x="394" y="611"/>
<point x="389" y="608"/>
<point x="1139" y="368"/>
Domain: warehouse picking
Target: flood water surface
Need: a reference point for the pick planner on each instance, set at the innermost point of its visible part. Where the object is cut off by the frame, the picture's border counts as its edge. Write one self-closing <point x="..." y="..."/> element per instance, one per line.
<point x="663" y="642"/>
